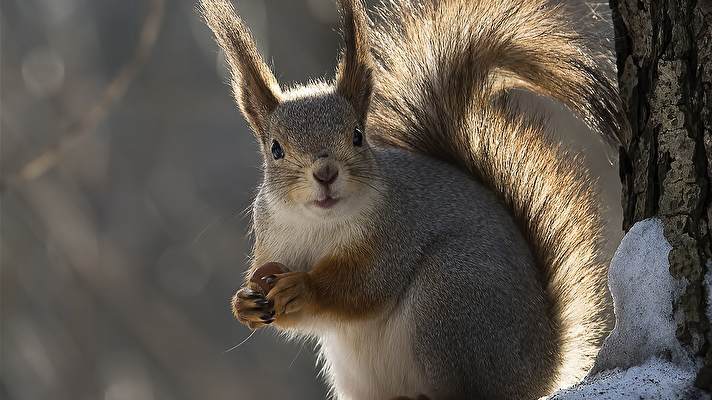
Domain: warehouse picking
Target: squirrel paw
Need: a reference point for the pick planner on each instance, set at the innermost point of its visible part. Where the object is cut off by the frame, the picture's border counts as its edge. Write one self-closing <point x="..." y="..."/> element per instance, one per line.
<point x="252" y="308"/>
<point x="291" y="292"/>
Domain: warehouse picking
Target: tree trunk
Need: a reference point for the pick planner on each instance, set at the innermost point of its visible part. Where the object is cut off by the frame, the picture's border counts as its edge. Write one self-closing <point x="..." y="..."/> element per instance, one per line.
<point x="664" y="52"/>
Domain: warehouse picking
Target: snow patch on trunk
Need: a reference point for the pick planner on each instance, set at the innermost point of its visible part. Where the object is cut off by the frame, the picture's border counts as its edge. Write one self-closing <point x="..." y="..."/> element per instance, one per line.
<point x="643" y="292"/>
<point x="641" y="358"/>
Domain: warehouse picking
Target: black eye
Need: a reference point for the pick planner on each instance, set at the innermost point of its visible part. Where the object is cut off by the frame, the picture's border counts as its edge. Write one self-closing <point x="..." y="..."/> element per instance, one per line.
<point x="358" y="137"/>
<point x="277" y="151"/>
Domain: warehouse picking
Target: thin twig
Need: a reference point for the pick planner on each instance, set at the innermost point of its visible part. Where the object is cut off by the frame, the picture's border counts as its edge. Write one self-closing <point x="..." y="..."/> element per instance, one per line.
<point x="115" y="90"/>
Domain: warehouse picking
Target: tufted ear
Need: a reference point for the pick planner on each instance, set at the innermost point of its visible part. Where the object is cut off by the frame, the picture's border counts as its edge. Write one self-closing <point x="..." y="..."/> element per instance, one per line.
<point x="354" y="78"/>
<point x="255" y="88"/>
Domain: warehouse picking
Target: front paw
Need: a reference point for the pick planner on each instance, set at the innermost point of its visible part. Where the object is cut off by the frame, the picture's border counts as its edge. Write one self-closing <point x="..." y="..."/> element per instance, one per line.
<point x="252" y="308"/>
<point x="291" y="292"/>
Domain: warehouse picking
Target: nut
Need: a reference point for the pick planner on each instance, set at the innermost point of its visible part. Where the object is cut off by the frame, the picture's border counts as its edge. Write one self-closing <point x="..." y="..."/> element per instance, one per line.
<point x="270" y="268"/>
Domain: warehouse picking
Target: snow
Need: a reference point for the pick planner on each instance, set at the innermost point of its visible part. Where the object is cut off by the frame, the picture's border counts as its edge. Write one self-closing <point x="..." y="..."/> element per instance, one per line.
<point x="643" y="291"/>
<point x="641" y="358"/>
<point x="655" y="379"/>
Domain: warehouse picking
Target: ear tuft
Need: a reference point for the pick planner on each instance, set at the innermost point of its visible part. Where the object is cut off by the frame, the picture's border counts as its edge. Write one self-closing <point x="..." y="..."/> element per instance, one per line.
<point x="255" y="88"/>
<point x="354" y="77"/>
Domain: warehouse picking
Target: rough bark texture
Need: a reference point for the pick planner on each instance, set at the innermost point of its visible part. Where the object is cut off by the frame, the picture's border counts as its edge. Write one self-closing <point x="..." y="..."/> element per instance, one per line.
<point x="664" y="51"/>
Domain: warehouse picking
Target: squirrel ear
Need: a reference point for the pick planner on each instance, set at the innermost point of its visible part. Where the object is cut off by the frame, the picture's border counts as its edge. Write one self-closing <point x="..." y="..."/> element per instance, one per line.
<point x="255" y="88"/>
<point x="354" y="78"/>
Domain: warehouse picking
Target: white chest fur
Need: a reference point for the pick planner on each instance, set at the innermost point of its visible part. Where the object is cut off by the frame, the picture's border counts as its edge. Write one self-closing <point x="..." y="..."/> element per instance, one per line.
<point x="299" y="242"/>
<point x="371" y="359"/>
<point x="299" y="247"/>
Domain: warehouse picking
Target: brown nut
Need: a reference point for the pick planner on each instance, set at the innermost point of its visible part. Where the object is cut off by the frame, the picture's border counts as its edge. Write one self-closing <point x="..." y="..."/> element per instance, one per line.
<point x="270" y="268"/>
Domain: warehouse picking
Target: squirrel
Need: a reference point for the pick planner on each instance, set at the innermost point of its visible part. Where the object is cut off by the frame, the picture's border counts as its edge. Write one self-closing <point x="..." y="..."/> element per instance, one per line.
<point x="439" y="245"/>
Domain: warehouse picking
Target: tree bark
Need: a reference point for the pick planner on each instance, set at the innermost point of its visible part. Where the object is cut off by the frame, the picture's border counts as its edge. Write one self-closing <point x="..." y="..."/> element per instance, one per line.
<point x="664" y="53"/>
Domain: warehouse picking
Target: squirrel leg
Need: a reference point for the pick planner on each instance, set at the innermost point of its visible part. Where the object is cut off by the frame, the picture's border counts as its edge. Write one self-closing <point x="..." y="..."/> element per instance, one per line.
<point x="291" y="292"/>
<point x="336" y="287"/>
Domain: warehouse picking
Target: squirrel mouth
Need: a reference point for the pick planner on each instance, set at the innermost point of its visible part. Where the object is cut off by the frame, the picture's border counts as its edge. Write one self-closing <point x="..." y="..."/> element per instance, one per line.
<point x="326" y="202"/>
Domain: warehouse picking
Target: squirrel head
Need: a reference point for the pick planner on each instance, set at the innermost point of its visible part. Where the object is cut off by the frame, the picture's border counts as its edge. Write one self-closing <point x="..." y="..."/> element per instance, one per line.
<point x="314" y="138"/>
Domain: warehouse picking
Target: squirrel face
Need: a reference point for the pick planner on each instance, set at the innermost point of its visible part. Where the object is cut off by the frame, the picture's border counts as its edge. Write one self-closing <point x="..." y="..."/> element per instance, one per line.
<point x="317" y="156"/>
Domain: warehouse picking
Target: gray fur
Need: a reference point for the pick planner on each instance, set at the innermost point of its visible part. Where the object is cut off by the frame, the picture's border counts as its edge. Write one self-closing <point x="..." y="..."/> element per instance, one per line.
<point x="478" y="301"/>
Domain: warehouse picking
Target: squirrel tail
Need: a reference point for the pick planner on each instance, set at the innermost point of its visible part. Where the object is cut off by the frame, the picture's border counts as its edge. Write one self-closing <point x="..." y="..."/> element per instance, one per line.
<point x="442" y="68"/>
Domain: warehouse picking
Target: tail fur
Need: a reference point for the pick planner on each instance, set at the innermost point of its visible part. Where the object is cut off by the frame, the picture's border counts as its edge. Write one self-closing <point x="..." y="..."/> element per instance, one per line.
<point x="441" y="67"/>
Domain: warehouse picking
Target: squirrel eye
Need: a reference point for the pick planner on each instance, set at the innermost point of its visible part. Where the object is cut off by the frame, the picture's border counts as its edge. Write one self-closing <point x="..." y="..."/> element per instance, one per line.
<point x="277" y="151"/>
<point x="358" y="136"/>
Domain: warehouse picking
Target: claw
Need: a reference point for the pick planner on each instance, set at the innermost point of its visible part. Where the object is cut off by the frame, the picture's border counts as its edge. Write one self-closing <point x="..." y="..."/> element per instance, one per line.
<point x="252" y="294"/>
<point x="270" y="279"/>
<point x="251" y="308"/>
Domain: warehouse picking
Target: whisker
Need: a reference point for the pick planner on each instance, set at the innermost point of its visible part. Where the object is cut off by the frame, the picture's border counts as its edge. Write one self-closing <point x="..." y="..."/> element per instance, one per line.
<point x="207" y="227"/>
<point x="297" y="356"/>
<point x="215" y="221"/>
<point x="368" y="183"/>
<point x="241" y="343"/>
<point x="296" y="164"/>
<point x="358" y="153"/>
<point x="367" y="175"/>
<point x="247" y="210"/>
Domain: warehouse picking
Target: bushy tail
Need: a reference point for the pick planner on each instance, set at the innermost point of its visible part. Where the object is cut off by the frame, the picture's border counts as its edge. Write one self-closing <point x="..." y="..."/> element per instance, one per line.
<point x="441" y="66"/>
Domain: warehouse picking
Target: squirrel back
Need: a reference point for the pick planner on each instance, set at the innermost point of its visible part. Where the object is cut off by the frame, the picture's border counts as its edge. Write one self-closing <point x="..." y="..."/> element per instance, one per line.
<point x="443" y="69"/>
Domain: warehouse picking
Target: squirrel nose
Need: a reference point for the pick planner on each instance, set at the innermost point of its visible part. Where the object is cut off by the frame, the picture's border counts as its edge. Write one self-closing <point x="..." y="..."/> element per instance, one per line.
<point x="326" y="174"/>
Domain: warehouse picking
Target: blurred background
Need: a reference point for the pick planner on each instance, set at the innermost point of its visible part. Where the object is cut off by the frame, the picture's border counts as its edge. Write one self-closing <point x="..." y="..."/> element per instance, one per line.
<point x="126" y="173"/>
